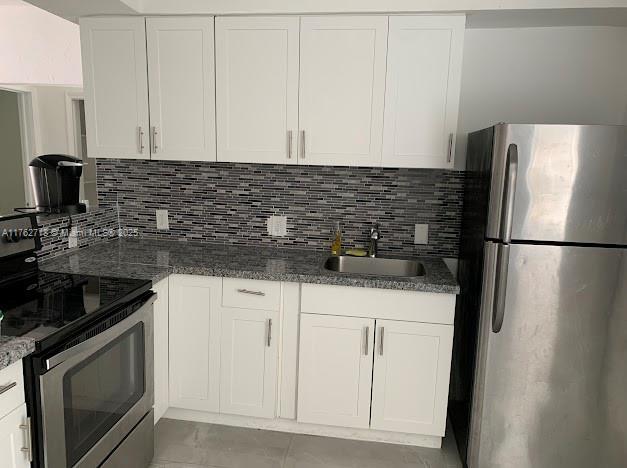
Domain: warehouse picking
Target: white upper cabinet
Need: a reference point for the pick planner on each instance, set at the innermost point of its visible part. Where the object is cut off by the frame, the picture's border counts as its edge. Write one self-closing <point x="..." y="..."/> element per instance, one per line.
<point x="257" y="88"/>
<point x="342" y="83"/>
<point x="422" y="90"/>
<point x="182" y="88"/>
<point x="116" y="91"/>
<point x="411" y="377"/>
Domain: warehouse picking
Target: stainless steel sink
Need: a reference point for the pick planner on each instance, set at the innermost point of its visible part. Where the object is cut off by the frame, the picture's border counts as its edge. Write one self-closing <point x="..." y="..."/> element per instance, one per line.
<point x="375" y="266"/>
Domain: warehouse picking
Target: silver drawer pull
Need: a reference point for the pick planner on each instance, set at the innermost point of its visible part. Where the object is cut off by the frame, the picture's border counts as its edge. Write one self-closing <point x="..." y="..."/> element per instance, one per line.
<point x="8" y="387"/>
<point x="254" y="293"/>
<point x="366" y="339"/>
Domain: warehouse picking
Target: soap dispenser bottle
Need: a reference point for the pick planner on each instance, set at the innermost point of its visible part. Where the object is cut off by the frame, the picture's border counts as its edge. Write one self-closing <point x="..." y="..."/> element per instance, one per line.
<point x="336" y="246"/>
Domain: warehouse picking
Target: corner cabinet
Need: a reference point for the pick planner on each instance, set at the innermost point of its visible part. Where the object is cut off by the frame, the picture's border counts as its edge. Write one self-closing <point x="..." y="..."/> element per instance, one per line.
<point x="195" y="342"/>
<point x="126" y="60"/>
<point x="423" y="83"/>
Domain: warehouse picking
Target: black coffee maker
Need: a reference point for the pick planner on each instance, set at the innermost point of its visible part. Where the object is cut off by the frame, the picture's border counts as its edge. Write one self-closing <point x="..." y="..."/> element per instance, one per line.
<point x="56" y="180"/>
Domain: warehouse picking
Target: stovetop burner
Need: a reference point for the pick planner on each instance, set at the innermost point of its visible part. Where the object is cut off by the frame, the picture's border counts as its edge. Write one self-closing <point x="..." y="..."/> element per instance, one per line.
<point x="40" y="305"/>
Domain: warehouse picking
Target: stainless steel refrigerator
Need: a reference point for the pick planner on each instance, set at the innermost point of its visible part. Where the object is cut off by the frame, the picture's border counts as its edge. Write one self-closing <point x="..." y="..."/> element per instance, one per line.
<point x="540" y="369"/>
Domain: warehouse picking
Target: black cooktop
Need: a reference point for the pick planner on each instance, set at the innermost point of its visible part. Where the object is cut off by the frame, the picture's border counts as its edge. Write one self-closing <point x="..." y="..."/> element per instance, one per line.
<point x="45" y="305"/>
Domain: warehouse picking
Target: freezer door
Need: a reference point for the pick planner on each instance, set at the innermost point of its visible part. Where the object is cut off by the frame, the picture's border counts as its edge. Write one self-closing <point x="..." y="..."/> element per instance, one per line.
<point x="561" y="183"/>
<point x="551" y="381"/>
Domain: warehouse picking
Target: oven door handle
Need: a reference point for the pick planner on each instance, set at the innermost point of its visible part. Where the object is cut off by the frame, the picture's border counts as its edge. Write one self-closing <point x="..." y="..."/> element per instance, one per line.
<point x="99" y="340"/>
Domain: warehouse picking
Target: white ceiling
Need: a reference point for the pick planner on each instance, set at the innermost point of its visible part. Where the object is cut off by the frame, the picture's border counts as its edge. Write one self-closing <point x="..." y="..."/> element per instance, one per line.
<point x="482" y="13"/>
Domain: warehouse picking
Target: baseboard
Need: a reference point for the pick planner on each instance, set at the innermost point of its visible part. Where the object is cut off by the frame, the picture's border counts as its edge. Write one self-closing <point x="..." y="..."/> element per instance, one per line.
<point x="287" y="425"/>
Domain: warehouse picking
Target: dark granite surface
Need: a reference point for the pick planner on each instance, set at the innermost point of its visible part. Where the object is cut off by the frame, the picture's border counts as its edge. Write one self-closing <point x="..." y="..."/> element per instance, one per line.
<point x="154" y="259"/>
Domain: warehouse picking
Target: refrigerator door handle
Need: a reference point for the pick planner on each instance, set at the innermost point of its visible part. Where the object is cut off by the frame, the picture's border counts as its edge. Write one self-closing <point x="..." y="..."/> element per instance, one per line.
<point x="500" y="287"/>
<point x="511" y="174"/>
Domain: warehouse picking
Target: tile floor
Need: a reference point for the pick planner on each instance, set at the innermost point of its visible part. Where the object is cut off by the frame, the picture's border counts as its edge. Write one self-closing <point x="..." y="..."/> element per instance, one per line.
<point x="183" y="444"/>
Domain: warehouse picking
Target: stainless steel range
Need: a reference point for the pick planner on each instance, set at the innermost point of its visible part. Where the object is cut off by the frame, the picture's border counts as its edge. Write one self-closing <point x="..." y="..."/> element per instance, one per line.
<point x="90" y="380"/>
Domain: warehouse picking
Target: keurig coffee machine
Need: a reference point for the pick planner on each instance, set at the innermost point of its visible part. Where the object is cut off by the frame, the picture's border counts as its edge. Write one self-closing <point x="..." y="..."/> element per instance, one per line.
<point x="56" y="182"/>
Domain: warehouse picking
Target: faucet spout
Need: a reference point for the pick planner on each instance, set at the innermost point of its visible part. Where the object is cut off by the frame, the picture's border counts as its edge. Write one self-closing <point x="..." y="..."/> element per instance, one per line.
<point x="373" y="246"/>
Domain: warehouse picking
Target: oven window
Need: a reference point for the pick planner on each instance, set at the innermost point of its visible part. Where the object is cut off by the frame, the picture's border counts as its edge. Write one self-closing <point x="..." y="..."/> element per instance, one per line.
<point x="101" y="389"/>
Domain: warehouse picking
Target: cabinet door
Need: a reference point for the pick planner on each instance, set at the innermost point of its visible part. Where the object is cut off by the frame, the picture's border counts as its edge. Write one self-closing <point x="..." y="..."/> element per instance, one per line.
<point x="195" y="342"/>
<point x="422" y="90"/>
<point x="13" y="439"/>
<point x="335" y="370"/>
<point x="182" y="88"/>
<point x="411" y="376"/>
<point x="257" y="89"/>
<point x="342" y="85"/>
<point x="161" y="359"/>
<point x="248" y="377"/>
<point x="116" y="88"/>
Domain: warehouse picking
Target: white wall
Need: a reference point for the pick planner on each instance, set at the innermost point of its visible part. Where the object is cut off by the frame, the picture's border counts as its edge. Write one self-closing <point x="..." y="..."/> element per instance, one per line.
<point x="12" y="193"/>
<point x="37" y="47"/>
<point x="52" y="117"/>
<point x="572" y="75"/>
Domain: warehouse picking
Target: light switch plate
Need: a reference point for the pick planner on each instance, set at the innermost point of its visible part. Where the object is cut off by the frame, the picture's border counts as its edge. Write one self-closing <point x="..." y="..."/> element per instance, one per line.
<point x="421" y="234"/>
<point x="162" y="220"/>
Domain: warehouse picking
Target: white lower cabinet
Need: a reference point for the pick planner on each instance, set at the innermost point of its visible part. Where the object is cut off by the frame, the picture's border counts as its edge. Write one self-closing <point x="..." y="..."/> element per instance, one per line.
<point x="249" y="355"/>
<point x="411" y="377"/>
<point x="161" y="357"/>
<point x="195" y="342"/>
<point x="366" y="361"/>
<point x="335" y="370"/>
<point x="14" y="443"/>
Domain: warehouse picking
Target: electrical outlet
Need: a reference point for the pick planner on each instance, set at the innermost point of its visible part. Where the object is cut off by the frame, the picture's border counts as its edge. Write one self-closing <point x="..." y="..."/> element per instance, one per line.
<point x="421" y="234"/>
<point x="277" y="226"/>
<point x="72" y="240"/>
<point x="163" y="223"/>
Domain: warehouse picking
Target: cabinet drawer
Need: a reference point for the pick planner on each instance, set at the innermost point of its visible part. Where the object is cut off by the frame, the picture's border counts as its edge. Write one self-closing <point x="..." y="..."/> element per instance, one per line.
<point x="251" y="294"/>
<point x="12" y="380"/>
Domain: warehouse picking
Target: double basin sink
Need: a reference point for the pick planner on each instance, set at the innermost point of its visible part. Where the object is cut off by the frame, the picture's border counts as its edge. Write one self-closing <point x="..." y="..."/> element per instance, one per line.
<point x="375" y="266"/>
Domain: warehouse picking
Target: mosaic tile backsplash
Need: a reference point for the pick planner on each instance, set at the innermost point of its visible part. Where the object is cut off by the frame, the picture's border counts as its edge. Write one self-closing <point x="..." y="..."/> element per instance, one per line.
<point x="230" y="202"/>
<point x="98" y="225"/>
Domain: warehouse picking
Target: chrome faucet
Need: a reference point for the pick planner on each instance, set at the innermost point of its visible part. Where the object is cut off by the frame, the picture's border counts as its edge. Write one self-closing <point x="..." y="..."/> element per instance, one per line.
<point x="375" y="235"/>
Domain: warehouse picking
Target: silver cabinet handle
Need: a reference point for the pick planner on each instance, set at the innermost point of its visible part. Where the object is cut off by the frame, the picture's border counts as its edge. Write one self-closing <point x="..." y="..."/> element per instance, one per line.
<point x="302" y="144"/>
<point x="366" y="336"/>
<point x="269" y="342"/>
<point x="289" y="144"/>
<point x="27" y="449"/>
<point x="154" y="140"/>
<point x="8" y="387"/>
<point x="140" y="136"/>
<point x="254" y="293"/>
<point x="449" y="156"/>
<point x="381" y="331"/>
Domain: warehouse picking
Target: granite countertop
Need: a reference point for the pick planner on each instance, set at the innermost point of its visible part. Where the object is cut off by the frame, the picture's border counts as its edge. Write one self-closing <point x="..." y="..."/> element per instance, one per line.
<point x="13" y="348"/>
<point x="154" y="259"/>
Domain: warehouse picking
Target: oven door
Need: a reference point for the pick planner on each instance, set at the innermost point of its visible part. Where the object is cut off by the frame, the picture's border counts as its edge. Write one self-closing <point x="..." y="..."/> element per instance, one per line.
<point x="96" y="392"/>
